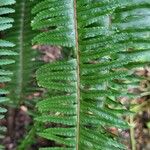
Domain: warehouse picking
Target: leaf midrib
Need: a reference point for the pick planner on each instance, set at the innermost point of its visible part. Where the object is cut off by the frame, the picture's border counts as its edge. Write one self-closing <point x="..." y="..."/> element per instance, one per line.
<point x="78" y="74"/>
<point x="21" y="39"/>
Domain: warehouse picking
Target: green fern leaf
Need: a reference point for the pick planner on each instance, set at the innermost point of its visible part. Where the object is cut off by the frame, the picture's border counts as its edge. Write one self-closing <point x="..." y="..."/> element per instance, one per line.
<point x="5" y="75"/>
<point x="21" y="34"/>
<point x="107" y="37"/>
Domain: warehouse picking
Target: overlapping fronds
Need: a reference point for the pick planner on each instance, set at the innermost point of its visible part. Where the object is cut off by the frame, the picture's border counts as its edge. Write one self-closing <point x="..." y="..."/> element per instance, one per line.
<point x="109" y="39"/>
<point x="5" y="54"/>
<point x="21" y="34"/>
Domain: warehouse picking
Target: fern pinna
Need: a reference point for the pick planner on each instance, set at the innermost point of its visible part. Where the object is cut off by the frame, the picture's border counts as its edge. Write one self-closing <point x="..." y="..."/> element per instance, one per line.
<point x="108" y="39"/>
<point x="20" y="86"/>
<point x="5" y="55"/>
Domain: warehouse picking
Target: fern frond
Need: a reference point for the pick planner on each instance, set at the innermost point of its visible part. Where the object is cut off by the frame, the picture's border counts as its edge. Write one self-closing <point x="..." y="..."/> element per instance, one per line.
<point x="21" y="34"/>
<point x="107" y="37"/>
<point x="5" y="54"/>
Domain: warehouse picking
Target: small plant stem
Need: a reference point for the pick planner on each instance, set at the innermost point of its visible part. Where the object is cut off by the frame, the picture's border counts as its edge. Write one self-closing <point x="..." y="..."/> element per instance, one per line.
<point x="29" y="139"/>
<point x="132" y="135"/>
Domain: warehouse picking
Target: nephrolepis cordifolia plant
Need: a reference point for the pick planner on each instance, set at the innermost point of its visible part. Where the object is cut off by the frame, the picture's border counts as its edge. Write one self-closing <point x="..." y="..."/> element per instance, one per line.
<point x="107" y="39"/>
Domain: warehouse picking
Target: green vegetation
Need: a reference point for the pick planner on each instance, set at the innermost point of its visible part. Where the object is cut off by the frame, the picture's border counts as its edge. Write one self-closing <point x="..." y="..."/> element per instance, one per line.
<point x="106" y="40"/>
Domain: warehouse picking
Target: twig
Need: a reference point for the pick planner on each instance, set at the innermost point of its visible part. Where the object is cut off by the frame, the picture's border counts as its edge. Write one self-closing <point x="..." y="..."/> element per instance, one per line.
<point x="132" y="135"/>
